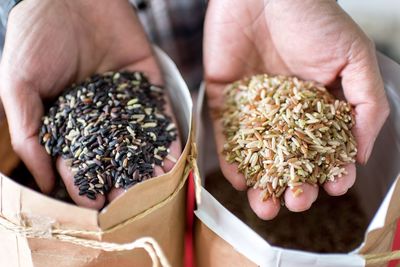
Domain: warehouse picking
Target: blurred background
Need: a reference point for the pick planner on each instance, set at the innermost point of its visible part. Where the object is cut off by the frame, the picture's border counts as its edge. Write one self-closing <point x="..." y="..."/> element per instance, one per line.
<point x="380" y="19"/>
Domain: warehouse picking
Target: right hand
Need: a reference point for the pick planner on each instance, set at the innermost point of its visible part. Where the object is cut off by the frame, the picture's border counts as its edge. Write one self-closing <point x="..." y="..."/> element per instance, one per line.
<point x="314" y="40"/>
<point x="49" y="45"/>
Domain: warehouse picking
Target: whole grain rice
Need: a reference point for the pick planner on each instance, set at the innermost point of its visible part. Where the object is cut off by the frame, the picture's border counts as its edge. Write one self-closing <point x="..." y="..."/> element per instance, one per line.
<point x="283" y="132"/>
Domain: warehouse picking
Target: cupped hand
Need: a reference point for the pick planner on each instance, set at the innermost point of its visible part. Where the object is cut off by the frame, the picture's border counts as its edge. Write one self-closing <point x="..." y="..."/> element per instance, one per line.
<point x="51" y="44"/>
<point x="314" y="40"/>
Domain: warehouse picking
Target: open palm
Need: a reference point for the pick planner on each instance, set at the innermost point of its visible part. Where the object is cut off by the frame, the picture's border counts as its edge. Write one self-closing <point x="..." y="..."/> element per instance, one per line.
<point x="51" y="44"/>
<point x="314" y="40"/>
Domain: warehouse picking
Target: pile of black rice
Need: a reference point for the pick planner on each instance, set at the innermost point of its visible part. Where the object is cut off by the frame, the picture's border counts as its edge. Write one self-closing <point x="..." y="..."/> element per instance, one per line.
<point x="112" y="129"/>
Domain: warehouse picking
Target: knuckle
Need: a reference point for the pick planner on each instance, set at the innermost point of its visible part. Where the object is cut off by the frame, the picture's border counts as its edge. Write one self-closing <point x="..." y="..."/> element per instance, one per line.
<point x="18" y="144"/>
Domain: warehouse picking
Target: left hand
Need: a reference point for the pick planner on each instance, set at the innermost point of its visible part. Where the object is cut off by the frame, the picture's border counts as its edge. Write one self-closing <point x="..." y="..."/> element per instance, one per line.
<point x="51" y="44"/>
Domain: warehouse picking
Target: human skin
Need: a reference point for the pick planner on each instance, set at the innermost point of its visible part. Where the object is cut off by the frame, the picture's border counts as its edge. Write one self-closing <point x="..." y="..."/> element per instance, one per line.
<point x="51" y="44"/>
<point x="314" y="40"/>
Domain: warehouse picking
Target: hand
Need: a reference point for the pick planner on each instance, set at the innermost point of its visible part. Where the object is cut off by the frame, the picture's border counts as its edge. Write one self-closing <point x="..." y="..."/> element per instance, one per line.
<point x="314" y="40"/>
<point x="51" y="44"/>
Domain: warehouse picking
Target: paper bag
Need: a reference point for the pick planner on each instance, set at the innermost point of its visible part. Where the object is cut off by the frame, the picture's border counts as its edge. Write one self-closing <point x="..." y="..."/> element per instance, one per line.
<point x="36" y="230"/>
<point x="222" y="239"/>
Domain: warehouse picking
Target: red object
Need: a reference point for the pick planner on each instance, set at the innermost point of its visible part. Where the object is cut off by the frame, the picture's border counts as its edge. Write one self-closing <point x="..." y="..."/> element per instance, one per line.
<point x="395" y="245"/>
<point x="190" y="205"/>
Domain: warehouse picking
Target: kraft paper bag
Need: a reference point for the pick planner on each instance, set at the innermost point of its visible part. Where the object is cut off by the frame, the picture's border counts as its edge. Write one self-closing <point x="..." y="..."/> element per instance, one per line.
<point x="222" y="239"/>
<point x="36" y="230"/>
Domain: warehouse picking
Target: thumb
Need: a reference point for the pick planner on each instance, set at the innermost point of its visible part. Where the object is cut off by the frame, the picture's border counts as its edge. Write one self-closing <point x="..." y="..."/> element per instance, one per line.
<point x="24" y="109"/>
<point x="363" y="88"/>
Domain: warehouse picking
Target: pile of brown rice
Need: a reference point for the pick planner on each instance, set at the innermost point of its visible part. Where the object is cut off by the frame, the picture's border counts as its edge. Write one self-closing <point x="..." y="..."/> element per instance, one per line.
<point x="283" y="132"/>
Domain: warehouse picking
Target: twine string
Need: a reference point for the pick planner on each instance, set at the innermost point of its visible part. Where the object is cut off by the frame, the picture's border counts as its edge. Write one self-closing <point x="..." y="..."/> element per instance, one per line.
<point x="196" y="174"/>
<point x="147" y="243"/>
<point x="379" y="258"/>
<point x="73" y="232"/>
<point x="70" y="235"/>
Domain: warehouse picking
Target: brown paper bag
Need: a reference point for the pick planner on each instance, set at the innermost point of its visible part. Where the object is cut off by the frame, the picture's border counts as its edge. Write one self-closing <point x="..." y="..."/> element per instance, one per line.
<point x="222" y="239"/>
<point x="36" y="230"/>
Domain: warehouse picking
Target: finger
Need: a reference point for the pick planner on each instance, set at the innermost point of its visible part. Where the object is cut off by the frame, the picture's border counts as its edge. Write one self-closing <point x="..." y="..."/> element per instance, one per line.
<point x="265" y="210"/>
<point x="124" y="52"/>
<point x="24" y="110"/>
<point x="173" y="156"/>
<point x="342" y="184"/>
<point x="116" y="192"/>
<point x="302" y="200"/>
<point x="230" y="171"/>
<point x="363" y="88"/>
<point x="73" y="190"/>
<point x="147" y="65"/>
<point x="146" y="62"/>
